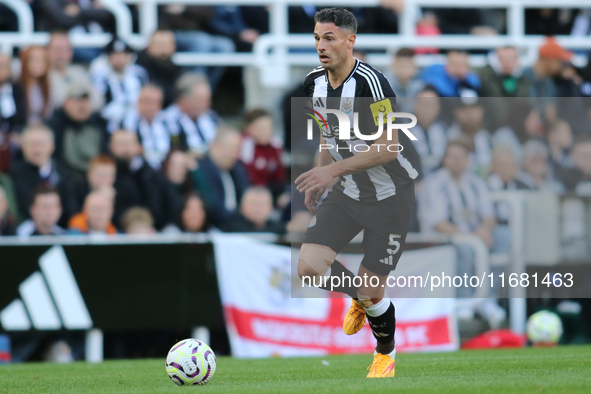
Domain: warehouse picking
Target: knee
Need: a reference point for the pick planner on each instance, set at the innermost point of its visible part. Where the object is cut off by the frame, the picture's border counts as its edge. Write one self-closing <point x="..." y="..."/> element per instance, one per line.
<point x="304" y="270"/>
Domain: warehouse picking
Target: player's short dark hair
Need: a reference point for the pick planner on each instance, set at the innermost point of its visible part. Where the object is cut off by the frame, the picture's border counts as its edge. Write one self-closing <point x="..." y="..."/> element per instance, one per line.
<point x="339" y="16"/>
<point x="405" y="52"/>
<point x="43" y="190"/>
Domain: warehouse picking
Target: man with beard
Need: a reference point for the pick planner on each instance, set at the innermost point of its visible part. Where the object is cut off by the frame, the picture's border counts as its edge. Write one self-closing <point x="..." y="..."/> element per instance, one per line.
<point x="138" y="184"/>
<point x="156" y="59"/>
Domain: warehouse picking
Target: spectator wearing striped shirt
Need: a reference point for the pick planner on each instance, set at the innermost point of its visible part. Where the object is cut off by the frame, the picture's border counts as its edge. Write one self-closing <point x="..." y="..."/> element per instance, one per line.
<point x="191" y="121"/>
<point x="118" y="80"/>
<point x="504" y="176"/>
<point x="430" y="131"/>
<point x="455" y="201"/>
<point x="148" y="121"/>
<point x="45" y="210"/>
<point x="468" y="126"/>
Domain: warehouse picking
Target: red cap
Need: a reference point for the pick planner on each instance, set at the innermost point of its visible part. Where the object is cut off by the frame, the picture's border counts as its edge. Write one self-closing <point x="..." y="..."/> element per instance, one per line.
<point x="552" y="50"/>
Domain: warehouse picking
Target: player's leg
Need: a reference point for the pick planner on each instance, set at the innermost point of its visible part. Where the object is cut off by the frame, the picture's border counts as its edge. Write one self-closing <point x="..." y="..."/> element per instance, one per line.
<point x="383" y="243"/>
<point x="329" y="231"/>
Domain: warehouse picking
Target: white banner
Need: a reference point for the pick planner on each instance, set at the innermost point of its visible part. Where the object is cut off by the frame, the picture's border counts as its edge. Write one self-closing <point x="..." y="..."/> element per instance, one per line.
<point x="263" y="319"/>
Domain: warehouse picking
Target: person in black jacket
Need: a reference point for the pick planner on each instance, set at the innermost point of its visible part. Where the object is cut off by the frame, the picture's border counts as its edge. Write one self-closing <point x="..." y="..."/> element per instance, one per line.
<point x="220" y="177"/>
<point x="38" y="169"/>
<point x="157" y="60"/>
<point x="7" y="221"/>
<point x="80" y="134"/>
<point x="255" y="214"/>
<point x="13" y="108"/>
<point x="138" y="184"/>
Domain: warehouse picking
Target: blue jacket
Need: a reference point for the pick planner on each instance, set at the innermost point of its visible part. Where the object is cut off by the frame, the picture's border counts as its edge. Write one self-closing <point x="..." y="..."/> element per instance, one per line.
<point x="447" y="86"/>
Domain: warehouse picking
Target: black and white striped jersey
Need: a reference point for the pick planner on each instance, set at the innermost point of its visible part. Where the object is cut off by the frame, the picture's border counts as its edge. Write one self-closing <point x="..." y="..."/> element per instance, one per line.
<point x="154" y="136"/>
<point x="363" y="86"/>
<point x="191" y="135"/>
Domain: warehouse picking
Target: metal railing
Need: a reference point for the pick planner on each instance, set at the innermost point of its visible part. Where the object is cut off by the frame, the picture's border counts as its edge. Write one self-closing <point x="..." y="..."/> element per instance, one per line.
<point x="271" y="50"/>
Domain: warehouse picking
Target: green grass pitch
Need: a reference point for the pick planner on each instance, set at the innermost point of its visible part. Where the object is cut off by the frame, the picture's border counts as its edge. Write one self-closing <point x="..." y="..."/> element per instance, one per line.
<point x="546" y="370"/>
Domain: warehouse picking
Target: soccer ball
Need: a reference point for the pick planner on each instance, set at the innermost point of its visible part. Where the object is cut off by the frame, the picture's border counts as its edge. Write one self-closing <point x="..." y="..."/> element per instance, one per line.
<point x="544" y="327"/>
<point x="190" y="362"/>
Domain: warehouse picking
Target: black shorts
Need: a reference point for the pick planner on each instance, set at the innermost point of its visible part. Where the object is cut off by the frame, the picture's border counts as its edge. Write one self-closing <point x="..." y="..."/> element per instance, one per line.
<point x="384" y="223"/>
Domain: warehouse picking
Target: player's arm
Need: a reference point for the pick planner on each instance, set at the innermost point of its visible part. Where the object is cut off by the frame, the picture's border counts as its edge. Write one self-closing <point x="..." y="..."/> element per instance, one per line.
<point x="324" y="157"/>
<point x="312" y="196"/>
<point x="376" y="155"/>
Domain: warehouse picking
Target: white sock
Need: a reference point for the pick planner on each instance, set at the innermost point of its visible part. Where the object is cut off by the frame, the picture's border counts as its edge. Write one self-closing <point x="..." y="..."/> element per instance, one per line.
<point x="378" y="309"/>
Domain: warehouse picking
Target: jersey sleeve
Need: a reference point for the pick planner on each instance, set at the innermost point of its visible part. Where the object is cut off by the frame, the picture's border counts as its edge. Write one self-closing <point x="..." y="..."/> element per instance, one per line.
<point x="309" y="84"/>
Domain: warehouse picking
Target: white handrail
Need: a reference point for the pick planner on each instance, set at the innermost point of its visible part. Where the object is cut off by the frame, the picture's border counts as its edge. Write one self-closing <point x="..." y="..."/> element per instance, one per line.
<point x="517" y="295"/>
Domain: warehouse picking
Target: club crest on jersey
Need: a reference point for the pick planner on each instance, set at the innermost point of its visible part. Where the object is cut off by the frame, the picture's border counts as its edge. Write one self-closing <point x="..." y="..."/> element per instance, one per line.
<point x="347" y="106"/>
<point x="312" y="222"/>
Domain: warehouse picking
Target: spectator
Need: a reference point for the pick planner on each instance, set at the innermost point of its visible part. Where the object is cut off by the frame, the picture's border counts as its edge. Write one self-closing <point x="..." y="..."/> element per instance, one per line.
<point x="80" y="133"/>
<point x="100" y="176"/>
<point x="220" y="177"/>
<point x="38" y="169"/>
<point x="503" y="76"/>
<point x="137" y="220"/>
<point x="45" y="212"/>
<point x="578" y="178"/>
<point x="10" y="195"/>
<point x="190" y="25"/>
<point x="229" y="21"/>
<point x="79" y="16"/>
<point x="7" y="221"/>
<point x="156" y="59"/>
<point x="96" y="216"/>
<point x="404" y="78"/>
<point x="443" y="207"/>
<point x="454" y="201"/>
<point x="176" y="168"/>
<point x="255" y="213"/>
<point x="13" y="111"/>
<point x="523" y="122"/>
<point x="118" y="80"/>
<point x="138" y="184"/>
<point x="261" y="153"/>
<point x="451" y="79"/>
<point x="504" y="176"/>
<point x="464" y="21"/>
<point x="191" y="121"/>
<point x="548" y="21"/>
<point x="147" y="120"/>
<point x="192" y="217"/>
<point x="382" y="19"/>
<point x="469" y="127"/>
<point x="537" y="174"/>
<point x="430" y="131"/>
<point x="540" y="77"/>
<point x="63" y="73"/>
<point x="560" y="141"/>
<point x="35" y="80"/>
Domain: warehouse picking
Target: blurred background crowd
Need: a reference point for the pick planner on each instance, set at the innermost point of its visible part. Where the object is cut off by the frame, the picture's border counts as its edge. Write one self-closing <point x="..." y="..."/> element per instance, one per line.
<point x="115" y="140"/>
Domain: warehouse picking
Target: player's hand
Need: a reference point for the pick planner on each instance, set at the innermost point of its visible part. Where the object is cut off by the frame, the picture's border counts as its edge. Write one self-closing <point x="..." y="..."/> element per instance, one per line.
<point x="316" y="178"/>
<point x="312" y="197"/>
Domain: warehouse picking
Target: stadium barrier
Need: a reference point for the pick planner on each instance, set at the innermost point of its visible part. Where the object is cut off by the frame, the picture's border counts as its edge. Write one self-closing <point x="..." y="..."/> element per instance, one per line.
<point x="127" y="283"/>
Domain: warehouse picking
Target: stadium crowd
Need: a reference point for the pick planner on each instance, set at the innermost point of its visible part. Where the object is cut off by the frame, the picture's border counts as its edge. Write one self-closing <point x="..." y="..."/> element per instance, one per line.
<point x="121" y="142"/>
